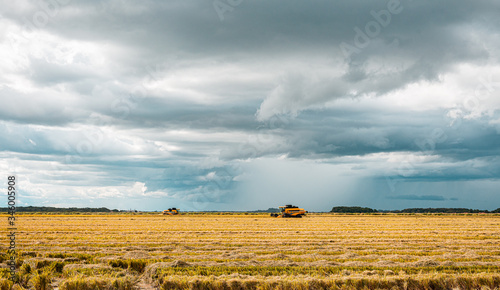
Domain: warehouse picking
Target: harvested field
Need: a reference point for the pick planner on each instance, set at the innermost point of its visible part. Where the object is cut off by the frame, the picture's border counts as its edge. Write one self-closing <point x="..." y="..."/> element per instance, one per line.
<point x="258" y="252"/>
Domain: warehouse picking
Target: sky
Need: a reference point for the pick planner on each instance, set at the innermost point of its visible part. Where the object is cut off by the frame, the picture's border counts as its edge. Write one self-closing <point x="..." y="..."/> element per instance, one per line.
<point x="245" y="105"/>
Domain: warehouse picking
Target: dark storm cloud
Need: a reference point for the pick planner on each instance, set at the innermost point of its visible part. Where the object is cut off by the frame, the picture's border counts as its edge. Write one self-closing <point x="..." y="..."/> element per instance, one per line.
<point x="168" y="114"/>
<point x="337" y="133"/>
<point x="425" y="30"/>
<point x="431" y="38"/>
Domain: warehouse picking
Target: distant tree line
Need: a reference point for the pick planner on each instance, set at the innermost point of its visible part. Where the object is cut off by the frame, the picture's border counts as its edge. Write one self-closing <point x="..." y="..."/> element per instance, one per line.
<point x="59" y="209"/>
<point x="442" y="210"/>
<point x="352" y="209"/>
<point x="357" y="209"/>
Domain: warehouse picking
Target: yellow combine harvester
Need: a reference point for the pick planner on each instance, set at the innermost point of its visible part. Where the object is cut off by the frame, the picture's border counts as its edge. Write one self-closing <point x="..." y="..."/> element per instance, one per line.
<point x="171" y="211"/>
<point x="290" y="211"/>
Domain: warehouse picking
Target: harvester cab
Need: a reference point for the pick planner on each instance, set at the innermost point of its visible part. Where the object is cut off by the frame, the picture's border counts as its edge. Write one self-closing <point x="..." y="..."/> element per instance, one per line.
<point x="171" y="211"/>
<point x="290" y="211"/>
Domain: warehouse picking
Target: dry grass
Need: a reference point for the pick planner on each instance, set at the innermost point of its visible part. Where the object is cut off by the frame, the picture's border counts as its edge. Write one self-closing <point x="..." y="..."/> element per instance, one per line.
<point x="97" y="283"/>
<point x="259" y="252"/>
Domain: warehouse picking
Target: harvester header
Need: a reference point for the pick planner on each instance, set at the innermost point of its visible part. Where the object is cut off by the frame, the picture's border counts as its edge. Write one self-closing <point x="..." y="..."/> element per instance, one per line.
<point x="289" y="211"/>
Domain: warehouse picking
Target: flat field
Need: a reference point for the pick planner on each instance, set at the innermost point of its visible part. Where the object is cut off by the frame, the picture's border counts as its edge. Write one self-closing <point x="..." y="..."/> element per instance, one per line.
<point x="237" y="251"/>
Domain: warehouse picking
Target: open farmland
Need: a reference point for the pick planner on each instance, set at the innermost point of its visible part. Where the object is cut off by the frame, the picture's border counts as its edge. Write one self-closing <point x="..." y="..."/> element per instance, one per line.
<point x="257" y="252"/>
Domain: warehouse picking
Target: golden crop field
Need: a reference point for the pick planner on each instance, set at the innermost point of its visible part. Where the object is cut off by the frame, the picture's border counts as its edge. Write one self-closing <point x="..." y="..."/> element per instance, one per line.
<point x="238" y="251"/>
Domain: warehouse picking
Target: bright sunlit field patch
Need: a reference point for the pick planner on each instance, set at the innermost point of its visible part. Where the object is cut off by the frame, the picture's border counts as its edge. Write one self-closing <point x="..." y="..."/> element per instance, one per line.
<point x="257" y="251"/>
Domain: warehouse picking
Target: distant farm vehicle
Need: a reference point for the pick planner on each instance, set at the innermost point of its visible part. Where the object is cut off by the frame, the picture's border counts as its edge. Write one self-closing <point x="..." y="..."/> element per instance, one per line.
<point x="171" y="211"/>
<point x="290" y="211"/>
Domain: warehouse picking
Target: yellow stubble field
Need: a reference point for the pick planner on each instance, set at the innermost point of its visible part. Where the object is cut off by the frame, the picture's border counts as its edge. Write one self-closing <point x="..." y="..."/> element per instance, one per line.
<point x="255" y="251"/>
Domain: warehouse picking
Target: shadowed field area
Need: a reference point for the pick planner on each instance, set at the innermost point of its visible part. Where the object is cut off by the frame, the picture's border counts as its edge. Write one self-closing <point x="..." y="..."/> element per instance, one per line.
<point x="257" y="252"/>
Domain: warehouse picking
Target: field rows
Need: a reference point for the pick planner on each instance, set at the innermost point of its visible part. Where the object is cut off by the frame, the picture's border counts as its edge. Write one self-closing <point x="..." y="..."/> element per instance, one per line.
<point x="257" y="251"/>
